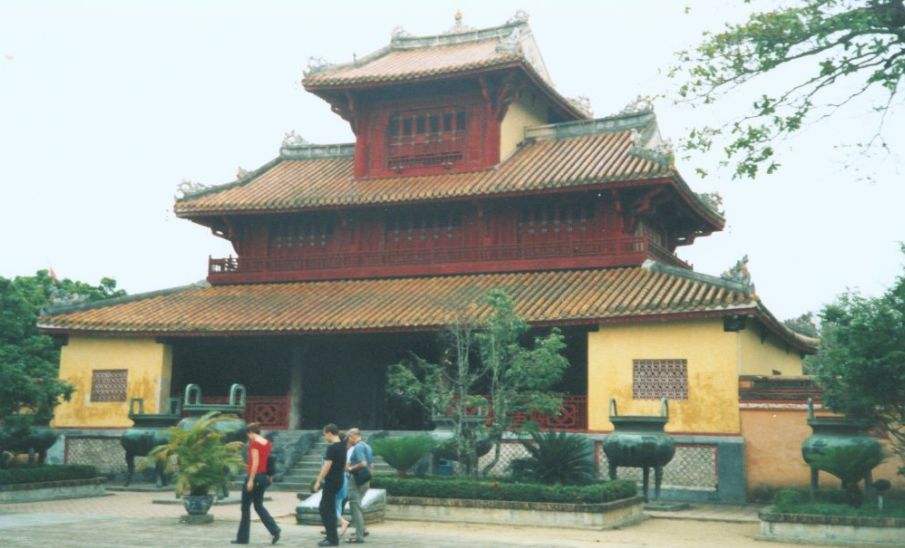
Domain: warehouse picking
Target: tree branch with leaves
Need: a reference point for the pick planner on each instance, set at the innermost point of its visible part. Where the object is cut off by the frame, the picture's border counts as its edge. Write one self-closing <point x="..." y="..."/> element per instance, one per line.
<point x="830" y="41"/>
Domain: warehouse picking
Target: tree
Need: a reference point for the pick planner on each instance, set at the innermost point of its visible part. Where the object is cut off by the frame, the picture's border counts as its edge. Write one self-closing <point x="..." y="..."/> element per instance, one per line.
<point x="29" y="361"/>
<point x="861" y="359"/>
<point x="484" y="369"/>
<point x="826" y="41"/>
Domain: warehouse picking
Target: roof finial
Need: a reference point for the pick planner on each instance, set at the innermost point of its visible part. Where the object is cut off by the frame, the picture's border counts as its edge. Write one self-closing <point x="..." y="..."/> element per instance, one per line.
<point x="458" y="17"/>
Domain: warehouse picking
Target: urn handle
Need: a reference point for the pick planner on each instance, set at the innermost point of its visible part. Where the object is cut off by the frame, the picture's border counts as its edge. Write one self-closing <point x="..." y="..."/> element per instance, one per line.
<point x="141" y="406"/>
<point x="664" y="408"/>
<point x="237" y="394"/>
<point x="810" y="409"/>
<point x="173" y="406"/>
<point x="192" y="390"/>
<point x="613" y="411"/>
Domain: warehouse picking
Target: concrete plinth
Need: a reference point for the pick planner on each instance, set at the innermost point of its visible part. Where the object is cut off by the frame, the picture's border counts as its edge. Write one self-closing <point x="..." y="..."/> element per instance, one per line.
<point x="373" y="507"/>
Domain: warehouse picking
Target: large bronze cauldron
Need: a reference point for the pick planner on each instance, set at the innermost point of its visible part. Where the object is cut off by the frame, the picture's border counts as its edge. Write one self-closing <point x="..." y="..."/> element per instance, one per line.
<point x="639" y="442"/>
<point x="27" y="434"/>
<point x="233" y="429"/>
<point x="833" y="433"/>
<point x="148" y="431"/>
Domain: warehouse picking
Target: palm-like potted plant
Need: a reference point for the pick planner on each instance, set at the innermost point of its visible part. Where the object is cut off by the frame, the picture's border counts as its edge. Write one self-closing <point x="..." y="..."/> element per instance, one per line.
<point x="201" y="461"/>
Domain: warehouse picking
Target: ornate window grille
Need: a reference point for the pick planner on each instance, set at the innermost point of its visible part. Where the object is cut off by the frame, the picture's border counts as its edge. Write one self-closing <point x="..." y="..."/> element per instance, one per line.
<point x="109" y="385"/>
<point x="655" y="379"/>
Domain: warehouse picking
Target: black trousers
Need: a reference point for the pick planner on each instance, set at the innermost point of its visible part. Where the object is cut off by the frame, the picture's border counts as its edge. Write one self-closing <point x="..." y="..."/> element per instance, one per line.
<point x="256" y="498"/>
<point x="328" y="512"/>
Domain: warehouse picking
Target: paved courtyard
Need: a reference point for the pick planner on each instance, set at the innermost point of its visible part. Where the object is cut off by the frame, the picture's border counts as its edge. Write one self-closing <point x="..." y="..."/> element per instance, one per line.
<point x="130" y="519"/>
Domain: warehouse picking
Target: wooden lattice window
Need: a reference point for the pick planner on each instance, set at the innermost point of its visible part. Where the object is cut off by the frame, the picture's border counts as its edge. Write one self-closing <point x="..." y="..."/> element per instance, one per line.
<point x="655" y="379"/>
<point x="109" y="384"/>
<point x="430" y="137"/>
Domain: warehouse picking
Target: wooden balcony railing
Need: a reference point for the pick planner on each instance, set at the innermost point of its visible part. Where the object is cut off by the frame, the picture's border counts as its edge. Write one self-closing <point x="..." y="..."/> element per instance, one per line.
<point x="271" y="411"/>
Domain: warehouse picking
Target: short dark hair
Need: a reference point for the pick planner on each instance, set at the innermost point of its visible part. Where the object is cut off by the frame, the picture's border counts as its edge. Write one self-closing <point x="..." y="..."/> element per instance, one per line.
<point x="253" y="427"/>
<point x="331" y="429"/>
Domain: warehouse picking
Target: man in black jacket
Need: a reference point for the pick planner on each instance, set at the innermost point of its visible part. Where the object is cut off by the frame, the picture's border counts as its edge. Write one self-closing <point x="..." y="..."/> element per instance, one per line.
<point x="331" y="475"/>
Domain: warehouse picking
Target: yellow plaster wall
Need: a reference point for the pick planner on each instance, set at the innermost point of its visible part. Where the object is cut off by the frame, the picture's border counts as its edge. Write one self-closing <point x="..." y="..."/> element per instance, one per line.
<point x="712" y="404"/>
<point x="773" y="440"/>
<point x="758" y="357"/>
<point x="526" y="111"/>
<point x="149" y="366"/>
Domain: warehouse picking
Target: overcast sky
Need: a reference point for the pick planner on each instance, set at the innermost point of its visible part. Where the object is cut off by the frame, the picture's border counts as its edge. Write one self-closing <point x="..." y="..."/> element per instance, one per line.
<point x="106" y="106"/>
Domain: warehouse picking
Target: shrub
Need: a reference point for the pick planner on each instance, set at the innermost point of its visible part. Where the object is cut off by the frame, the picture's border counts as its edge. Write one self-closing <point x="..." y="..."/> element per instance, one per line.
<point x="202" y="461"/>
<point x="34" y="473"/>
<point x="849" y="464"/>
<point x="556" y="457"/>
<point x="404" y="452"/>
<point x="786" y="498"/>
<point x="505" y="490"/>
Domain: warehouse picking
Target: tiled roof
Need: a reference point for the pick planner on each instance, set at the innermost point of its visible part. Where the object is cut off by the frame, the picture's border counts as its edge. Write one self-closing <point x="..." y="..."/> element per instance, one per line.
<point x="461" y="50"/>
<point x="410" y="57"/>
<point x="409" y="64"/>
<point x="553" y="297"/>
<point x="558" y="156"/>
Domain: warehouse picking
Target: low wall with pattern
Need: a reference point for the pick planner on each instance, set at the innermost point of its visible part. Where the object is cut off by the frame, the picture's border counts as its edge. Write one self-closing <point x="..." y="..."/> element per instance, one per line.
<point x="704" y="468"/>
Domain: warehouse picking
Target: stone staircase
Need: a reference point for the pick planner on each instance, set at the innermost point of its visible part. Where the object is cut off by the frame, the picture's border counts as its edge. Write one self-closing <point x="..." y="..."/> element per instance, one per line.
<point x="300" y="476"/>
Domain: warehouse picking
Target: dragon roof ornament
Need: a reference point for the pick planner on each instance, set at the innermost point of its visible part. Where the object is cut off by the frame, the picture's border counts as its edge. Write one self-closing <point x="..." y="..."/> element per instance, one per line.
<point x="315" y="65"/>
<point x="187" y="188"/>
<point x="583" y="104"/>
<point x="713" y="200"/>
<point x="739" y="273"/>
<point x="521" y="16"/>
<point x="642" y="104"/>
<point x="291" y="139"/>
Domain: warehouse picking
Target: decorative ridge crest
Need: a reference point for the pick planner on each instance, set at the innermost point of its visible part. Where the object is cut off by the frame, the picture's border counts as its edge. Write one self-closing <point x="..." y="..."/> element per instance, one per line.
<point x="404" y="40"/>
<point x="725" y="283"/>
<point x="56" y="310"/>
<point x="308" y="151"/>
<point x="597" y="126"/>
<point x="739" y="274"/>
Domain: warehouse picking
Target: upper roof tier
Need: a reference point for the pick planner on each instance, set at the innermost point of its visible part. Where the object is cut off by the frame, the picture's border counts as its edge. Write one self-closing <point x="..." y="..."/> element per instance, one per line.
<point x="456" y="53"/>
<point x="625" y="148"/>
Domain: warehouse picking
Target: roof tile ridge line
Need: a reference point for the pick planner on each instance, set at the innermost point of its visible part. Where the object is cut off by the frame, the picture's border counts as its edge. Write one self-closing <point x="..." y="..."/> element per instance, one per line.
<point x="315" y="71"/>
<point x="499" y="32"/>
<point x="812" y="342"/>
<point x="399" y="43"/>
<point x="657" y="266"/>
<point x="67" y="308"/>
<point x="252" y="175"/>
<point x="312" y="151"/>
<point x="594" y="126"/>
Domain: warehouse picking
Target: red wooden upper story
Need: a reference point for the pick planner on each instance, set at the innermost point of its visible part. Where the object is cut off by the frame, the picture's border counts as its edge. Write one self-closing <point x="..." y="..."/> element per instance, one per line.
<point x="465" y="160"/>
<point x="534" y="233"/>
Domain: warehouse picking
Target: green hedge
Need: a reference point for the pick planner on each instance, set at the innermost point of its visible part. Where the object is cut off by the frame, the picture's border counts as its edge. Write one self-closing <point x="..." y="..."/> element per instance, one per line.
<point x="502" y="490"/>
<point x="42" y="473"/>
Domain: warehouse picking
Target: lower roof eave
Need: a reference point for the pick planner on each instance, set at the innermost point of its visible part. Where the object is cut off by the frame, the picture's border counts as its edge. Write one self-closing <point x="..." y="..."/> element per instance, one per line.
<point x="746" y="309"/>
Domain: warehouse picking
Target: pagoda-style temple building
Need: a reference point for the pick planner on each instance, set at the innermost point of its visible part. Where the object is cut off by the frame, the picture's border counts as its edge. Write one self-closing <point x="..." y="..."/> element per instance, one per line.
<point x="469" y="172"/>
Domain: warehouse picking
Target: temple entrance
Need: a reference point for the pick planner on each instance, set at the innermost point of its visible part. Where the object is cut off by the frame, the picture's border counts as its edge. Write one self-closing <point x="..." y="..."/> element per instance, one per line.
<point x="304" y="382"/>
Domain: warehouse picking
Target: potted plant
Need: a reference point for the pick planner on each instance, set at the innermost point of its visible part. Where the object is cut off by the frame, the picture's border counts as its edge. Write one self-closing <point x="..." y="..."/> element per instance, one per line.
<point x="201" y="461"/>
